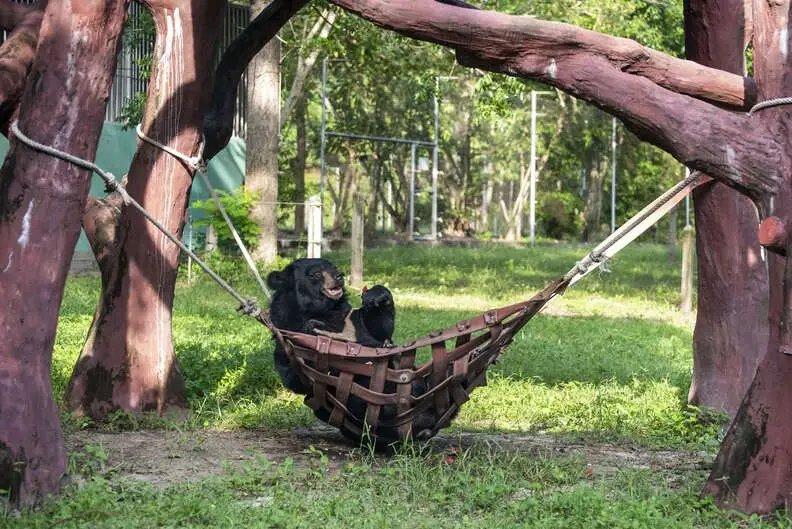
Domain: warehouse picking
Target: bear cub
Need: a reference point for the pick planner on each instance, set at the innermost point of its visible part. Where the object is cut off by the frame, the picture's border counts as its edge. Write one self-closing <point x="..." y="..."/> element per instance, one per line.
<point x="309" y="297"/>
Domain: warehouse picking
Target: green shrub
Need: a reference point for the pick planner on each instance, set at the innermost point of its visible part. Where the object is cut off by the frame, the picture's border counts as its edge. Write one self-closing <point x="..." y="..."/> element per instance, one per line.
<point x="559" y="214"/>
<point x="238" y="206"/>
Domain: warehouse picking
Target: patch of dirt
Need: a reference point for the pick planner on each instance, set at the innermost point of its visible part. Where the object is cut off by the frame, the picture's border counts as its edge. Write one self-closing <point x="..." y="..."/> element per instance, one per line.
<point x="164" y="457"/>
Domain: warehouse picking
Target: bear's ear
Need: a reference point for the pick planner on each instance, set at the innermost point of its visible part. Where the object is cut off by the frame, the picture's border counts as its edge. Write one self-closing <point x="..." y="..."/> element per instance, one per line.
<point x="280" y="281"/>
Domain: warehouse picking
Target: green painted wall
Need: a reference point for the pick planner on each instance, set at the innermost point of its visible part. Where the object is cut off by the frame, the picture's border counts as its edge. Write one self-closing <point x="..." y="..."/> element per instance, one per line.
<point x="117" y="146"/>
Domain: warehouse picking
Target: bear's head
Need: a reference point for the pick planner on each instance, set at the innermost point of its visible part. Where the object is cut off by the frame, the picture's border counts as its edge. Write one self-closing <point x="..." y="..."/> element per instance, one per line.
<point x="316" y="283"/>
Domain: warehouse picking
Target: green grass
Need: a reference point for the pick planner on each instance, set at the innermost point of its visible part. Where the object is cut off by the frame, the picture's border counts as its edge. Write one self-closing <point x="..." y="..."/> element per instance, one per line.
<point x="610" y="361"/>
<point x="474" y="489"/>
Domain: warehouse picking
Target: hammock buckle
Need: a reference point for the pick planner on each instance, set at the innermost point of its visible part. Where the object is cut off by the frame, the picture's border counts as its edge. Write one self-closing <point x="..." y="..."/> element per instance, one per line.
<point x="491" y="317"/>
<point x="322" y="344"/>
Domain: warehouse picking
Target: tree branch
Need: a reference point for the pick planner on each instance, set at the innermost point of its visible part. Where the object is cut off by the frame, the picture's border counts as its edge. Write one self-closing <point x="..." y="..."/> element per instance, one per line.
<point x="218" y="121"/>
<point x="322" y="27"/>
<point x="649" y="91"/>
<point x="17" y="53"/>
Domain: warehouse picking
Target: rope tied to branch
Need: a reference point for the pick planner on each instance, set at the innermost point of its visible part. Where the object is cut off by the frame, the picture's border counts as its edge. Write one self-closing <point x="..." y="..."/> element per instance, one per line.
<point x="200" y="165"/>
<point x="770" y="103"/>
<point x="247" y="304"/>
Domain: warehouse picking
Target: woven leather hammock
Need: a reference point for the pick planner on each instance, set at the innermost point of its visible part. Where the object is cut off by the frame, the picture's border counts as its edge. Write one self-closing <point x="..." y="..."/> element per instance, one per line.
<point x="395" y="397"/>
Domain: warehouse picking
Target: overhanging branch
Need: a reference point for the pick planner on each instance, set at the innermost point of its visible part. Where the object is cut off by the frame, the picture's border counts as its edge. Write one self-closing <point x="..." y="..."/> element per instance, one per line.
<point x="657" y="96"/>
<point x="218" y="122"/>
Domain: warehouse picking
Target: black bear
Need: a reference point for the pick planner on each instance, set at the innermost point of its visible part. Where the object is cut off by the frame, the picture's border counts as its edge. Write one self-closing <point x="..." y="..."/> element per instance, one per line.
<point x="309" y="297"/>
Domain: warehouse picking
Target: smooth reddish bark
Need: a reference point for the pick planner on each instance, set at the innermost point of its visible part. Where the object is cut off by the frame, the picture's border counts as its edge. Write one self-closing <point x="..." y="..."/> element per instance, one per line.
<point x="731" y="324"/>
<point x="128" y="361"/>
<point x="753" y="470"/>
<point x="41" y="202"/>
<point x="773" y="235"/>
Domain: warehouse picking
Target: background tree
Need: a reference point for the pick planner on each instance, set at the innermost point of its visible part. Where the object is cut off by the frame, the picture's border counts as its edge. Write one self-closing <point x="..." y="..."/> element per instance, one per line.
<point x="261" y="156"/>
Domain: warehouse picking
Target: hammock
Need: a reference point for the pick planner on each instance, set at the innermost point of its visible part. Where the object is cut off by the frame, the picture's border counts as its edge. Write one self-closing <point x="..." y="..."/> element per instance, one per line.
<point x="402" y="399"/>
<point x="381" y="393"/>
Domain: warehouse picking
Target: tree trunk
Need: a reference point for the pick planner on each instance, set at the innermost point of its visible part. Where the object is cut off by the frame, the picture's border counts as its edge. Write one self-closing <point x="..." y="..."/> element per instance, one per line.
<point x="41" y="203"/>
<point x="753" y="470"/>
<point x="299" y="165"/>
<point x="486" y="196"/>
<point x="128" y="360"/>
<point x="263" y="125"/>
<point x="370" y="225"/>
<point x="592" y="209"/>
<point x="731" y="325"/>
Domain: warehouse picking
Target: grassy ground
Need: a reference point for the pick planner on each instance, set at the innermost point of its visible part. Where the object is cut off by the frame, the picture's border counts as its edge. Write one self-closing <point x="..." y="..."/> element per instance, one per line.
<point x="608" y="362"/>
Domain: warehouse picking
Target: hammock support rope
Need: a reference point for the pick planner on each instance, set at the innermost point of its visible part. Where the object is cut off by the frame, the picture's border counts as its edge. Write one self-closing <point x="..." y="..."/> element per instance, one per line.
<point x="383" y="393"/>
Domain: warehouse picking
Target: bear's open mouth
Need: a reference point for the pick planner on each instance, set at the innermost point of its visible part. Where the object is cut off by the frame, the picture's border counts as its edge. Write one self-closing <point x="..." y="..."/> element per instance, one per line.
<point x="333" y="293"/>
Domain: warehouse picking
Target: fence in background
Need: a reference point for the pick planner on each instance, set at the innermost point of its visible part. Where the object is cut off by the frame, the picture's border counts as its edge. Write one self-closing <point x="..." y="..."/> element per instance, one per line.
<point x="130" y="78"/>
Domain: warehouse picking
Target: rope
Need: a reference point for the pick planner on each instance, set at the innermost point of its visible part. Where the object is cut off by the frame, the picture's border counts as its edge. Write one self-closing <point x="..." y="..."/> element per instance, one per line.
<point x="200" y="165"/>
<point x="770" y="103"/>
<point x="600" y="254"/>
<point x="246" y="305"/>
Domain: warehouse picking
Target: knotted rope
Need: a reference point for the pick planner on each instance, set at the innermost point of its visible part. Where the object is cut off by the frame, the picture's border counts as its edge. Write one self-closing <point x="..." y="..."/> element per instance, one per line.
<point x="629" y="230"/>
<point x="246" y="305"/>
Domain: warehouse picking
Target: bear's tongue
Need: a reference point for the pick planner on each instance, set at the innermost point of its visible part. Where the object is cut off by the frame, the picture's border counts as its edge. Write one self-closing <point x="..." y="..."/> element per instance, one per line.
<point x="334" y="292"/>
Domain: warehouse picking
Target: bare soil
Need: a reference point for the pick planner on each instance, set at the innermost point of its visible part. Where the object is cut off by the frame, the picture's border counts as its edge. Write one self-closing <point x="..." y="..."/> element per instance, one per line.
<point x="164" y="457"/>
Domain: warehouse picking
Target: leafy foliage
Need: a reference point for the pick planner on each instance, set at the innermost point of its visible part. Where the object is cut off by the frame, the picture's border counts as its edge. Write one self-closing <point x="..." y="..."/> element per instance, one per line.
<point x="238" y="205"/>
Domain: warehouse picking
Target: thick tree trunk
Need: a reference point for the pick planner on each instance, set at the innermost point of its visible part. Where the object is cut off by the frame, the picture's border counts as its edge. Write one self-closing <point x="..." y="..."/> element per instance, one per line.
<point x="731" y="324"/>
<point x="41" y="202"/>
<point x="263" y="125"/>
<point x="299" y="165"/>
<point x="753" y="470"/>
<point x="128" y="360"/>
